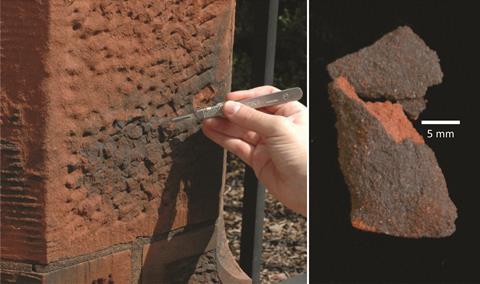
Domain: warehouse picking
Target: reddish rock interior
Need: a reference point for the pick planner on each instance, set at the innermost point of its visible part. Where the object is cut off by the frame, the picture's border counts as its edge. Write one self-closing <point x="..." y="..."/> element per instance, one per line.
<point x="390" y="115"/>
<point x="343" y="84"/>
<point x="360" y="224"/>
<point x="394" y="120"/>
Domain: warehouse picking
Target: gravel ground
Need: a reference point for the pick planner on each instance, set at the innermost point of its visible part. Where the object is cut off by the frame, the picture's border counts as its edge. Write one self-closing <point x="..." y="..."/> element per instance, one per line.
<point x="285" y="233"/>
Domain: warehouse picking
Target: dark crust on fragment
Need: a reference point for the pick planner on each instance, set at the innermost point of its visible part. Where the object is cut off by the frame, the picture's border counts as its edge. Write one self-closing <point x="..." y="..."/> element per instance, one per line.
<point x="396" y="188"/>
<point x="397" y="67"/>
<point x="413" y="107"/>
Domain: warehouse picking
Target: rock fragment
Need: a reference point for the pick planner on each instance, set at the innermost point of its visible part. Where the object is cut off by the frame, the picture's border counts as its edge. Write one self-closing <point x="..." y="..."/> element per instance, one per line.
<point x="398" y="67"/>
<point x="396" y="185"/>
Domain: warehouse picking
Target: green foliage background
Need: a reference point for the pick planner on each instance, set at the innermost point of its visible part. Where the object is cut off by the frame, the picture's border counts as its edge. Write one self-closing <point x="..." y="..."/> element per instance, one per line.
<point x="291" y="49"/>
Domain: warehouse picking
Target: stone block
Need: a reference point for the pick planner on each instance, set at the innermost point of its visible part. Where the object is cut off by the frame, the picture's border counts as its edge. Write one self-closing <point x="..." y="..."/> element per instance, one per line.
<point x="88" y="162"/>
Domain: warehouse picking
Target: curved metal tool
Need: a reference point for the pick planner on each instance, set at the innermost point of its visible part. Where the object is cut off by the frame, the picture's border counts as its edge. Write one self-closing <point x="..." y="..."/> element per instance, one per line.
<point x="288" y="95"/>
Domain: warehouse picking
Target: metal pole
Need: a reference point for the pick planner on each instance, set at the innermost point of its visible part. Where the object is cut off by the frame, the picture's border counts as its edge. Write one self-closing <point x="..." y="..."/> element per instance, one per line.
<point x="266" y="15"/>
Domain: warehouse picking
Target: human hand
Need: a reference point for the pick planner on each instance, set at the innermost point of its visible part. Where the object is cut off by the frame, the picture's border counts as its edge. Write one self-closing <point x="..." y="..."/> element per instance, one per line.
<point x="272" y="140"/>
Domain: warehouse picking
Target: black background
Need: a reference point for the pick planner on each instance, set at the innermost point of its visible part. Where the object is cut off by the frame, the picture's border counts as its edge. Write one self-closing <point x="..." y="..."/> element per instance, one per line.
<point x="340" y="253"/>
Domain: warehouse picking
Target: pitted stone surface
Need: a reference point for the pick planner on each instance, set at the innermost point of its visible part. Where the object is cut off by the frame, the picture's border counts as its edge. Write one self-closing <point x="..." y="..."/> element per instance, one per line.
<point x="100" y="78"/>
<point x="125" y="68"/>
<point x="128" y="165"/>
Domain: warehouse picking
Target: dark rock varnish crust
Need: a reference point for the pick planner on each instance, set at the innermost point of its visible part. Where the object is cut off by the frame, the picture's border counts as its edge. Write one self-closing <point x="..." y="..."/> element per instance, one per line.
<point x="398" y="67"/>
<point x="396" y="187"/>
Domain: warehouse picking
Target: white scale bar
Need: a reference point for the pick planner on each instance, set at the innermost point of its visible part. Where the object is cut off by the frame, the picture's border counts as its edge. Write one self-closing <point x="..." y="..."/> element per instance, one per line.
<point x="440" y="122"/>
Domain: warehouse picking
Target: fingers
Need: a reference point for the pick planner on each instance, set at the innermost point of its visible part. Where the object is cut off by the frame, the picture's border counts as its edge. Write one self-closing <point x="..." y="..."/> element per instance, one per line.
<point x="299" y="118"/>
<point x="249" y="118"/>
<point x="285" y="109"/>
<point x="228" y="128"/>
<point x="237" y="146"/>
<point x="255" y="92"/>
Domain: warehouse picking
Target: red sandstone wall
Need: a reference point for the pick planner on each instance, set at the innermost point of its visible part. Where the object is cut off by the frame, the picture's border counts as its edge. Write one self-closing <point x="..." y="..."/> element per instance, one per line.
<point x="88" y="165"/>
<point x="24" y="35"/>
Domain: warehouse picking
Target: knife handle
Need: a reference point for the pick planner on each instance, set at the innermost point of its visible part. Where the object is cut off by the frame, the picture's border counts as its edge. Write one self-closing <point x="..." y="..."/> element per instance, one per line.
<point x="285" y="96"/>
<point x="280" y="97"/>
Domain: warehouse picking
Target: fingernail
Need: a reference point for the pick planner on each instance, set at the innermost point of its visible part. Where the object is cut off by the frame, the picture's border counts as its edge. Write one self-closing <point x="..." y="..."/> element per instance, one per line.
<point x="230" y="108"/>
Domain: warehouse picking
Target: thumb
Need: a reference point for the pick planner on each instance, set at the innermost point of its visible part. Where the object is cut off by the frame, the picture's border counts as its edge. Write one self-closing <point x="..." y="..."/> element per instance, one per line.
<point x="252" y="119"/>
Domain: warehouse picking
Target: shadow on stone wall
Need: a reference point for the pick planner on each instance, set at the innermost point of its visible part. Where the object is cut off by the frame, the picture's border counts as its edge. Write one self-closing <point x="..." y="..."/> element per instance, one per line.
<point x="191" y="196"/>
